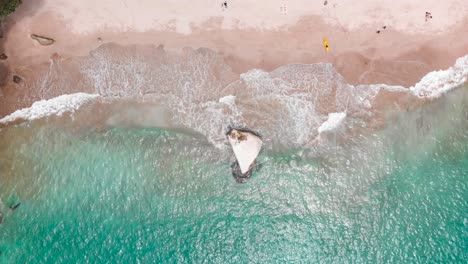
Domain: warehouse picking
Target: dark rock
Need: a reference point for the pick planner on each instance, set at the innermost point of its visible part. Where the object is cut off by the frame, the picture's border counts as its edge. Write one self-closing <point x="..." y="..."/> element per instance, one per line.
<point x="17" y="79"/>
<point x="237" y="173"/>
<point x="3" y="56"/>
<point x="14" y="206"/>
<point x="378" y="31"/>
<point x="325" y="2"/>
<point x="44" y="41"/>
<point x="224" y="5"/>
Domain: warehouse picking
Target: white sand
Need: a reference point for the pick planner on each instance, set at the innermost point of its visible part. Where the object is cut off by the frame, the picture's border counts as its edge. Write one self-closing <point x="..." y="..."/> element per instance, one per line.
<point x="86" y="16"/>
<point x="257" y="32"/>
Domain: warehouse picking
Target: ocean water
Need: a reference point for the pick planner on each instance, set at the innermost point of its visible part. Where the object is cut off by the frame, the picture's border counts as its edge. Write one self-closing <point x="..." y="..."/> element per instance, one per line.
<point x="129" y="194"/>
<point x="140" y="172"/>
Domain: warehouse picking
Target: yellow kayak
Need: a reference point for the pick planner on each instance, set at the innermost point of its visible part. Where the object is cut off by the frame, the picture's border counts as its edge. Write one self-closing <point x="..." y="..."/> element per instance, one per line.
<point x="325" y="44"/>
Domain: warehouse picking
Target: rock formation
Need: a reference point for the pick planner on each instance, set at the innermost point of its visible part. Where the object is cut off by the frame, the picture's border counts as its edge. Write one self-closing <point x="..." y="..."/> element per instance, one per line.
<point x="44" y="41"/>
<point x="246" y="146"/>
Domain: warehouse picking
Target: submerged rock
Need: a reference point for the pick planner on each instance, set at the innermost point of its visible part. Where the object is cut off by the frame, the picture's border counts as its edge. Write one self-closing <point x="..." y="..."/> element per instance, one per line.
<point x="44" y="41"/>
<point x="14" y="206"/>
<point x="246" y="146"/>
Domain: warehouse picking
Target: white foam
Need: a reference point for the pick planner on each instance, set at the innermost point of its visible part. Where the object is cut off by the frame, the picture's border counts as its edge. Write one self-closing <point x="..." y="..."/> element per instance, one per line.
<point x="55" y="106"/>
<point x="334" y="121"/>
<point x="287" y="104"/>
<point x="436" y="83"/>
<point x="228" y="100"/>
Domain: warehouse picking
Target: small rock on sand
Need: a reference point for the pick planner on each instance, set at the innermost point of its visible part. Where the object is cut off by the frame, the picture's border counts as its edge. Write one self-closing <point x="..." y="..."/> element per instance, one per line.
<point x="3" y="56"/>
<point x="17" y="79"/>
<point x="44" y="41"/>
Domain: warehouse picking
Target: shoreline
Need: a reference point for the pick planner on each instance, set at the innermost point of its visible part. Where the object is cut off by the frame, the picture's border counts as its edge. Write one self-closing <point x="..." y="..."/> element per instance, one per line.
<point x="247" y="40"/>
<point x="359" y="54"/>
<point x="369" y="107"/>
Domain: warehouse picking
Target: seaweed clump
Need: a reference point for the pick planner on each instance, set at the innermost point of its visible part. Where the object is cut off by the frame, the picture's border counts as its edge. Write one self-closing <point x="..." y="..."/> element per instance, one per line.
<point x="8" y="6"/>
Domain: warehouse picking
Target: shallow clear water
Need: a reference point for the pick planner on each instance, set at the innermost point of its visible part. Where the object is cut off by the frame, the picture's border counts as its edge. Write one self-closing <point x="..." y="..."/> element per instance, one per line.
<point x="152" y="195"/>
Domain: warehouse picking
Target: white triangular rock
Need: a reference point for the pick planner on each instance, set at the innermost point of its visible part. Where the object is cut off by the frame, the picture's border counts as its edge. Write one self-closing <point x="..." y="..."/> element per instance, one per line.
<point x="246" y="147"/>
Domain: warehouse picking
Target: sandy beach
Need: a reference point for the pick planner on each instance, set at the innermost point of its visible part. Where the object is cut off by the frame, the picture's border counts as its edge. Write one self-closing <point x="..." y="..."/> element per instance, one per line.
<point x="117" y="142"/>
<point x="371" y="42"/>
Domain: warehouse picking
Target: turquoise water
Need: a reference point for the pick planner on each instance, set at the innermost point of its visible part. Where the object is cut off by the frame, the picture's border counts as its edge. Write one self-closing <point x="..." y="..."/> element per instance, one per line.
<point x="150" y="195"/>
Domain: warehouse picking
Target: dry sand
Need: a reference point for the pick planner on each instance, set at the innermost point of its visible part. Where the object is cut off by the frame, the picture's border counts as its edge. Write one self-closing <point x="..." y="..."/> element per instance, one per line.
<point x="248" y="34"/>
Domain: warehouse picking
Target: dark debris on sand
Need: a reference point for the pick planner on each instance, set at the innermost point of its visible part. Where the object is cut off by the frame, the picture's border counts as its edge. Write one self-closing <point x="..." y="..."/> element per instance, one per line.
<point x="428" y="16"/>
<point x="17" y="79"/>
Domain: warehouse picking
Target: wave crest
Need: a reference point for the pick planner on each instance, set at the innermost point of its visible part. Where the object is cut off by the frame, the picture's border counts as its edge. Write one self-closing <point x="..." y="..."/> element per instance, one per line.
<point x="201" y="92"/>
<point x="55" y="106"/>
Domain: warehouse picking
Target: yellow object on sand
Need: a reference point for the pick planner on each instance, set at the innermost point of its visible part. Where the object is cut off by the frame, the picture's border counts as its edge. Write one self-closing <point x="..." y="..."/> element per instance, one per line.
<point x="325" y="44"/>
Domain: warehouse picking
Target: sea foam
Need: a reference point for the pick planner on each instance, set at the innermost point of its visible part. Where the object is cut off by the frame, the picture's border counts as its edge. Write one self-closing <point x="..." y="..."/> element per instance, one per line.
<point x="436" y="83"/>
<point x="289" y="104"/>
<point x="55" y="106"/>
<point x="334" y="121"/>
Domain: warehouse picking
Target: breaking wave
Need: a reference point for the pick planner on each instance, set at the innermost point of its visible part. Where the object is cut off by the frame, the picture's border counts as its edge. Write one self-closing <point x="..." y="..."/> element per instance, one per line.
<point x="55" y="106"/>
<point x="199" y="91"/>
